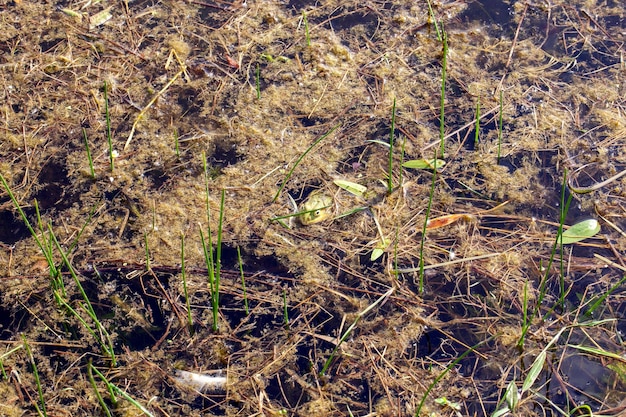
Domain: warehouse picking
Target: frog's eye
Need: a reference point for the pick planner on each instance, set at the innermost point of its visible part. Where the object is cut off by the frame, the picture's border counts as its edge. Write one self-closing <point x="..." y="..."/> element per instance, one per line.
<point x="317" y="213"/>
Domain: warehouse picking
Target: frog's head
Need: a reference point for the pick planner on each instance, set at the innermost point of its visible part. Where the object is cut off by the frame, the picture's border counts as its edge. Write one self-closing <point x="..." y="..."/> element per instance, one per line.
<point x="316" y="208"/>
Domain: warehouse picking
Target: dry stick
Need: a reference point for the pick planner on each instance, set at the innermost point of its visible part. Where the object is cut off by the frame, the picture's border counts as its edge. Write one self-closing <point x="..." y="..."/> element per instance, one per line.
<point x="519" y="26"/>
<point x="448" y="263"/>
<point x="596" y="186"/>
<point x="175" y="309"/>
<point x="348" y="331"/>
<point x="121" y="48"/>
<point x="455" y="132"/>
<point x="150" y="103"/>
<point x="595" y="22"/>
<point x="508" y="61"/>
<point x="610" y="262"/>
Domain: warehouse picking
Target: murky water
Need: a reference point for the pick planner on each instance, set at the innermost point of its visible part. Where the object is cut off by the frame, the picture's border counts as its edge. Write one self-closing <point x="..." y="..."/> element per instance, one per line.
<point x="231" y="96"/>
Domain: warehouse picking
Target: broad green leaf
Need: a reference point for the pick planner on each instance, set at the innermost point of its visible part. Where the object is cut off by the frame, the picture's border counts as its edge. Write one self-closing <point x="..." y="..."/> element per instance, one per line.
<point x="100" y="18"/>
<point x="443" y="401"/>
<point x="619" y="369"/>
<point x="599" y="352"/>
<point x="376" y="253"/>
<point x="72" y="13"/>
<point x="380" y="142"/>
<point x="512" y="396"/>
<point x="501" y="412"/>
<point x="580" y="231"/>
<point x="534" y="371"/>
<point x="349" y="212"/>
<point x="351" y="187"/>
<point x="424" y="164"/>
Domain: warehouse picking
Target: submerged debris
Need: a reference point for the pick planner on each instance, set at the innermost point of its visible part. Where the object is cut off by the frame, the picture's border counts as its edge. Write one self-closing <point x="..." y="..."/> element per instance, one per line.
<point x="203" y="383"/>
<point x="134" y="267"/>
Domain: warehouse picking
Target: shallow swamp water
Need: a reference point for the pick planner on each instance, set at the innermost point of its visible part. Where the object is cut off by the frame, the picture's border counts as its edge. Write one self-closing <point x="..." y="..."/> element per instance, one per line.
<point x="141" y="138"/>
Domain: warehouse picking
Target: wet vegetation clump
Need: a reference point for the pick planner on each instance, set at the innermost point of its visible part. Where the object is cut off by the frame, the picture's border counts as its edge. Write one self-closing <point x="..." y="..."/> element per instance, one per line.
<point x="386" y="208"/>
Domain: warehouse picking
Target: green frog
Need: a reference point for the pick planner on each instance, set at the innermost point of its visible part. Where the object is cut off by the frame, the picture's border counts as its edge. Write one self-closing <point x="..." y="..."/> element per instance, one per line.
<point x="316" y="208"/>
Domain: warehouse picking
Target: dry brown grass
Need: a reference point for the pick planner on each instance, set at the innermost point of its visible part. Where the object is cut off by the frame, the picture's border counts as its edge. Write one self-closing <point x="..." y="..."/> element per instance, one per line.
<point x="190" y="67"/>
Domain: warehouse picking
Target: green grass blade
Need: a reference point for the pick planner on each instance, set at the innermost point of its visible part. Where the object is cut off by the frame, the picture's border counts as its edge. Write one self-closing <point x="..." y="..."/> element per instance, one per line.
<point x="243" y="282"/>
<point x="431" y="17"/>
<point x="306" y="29"/>
<point x="184" y="277"/>
<point x="41" y="408"/>
<point x="423" y="238"/>
<point x="105" y="341"/>
<point x="114" y="388"/>
<point x="477" y="125"/>
<point x="444" y="65"/>
<point x="285" y="310"/>
<point x="218" y="263"/>
<point x="445" y="371"/>
<point x="92" y="173"/>
<point x="351" y="187"/>
<point x="82" y="321"/>
<point x="535" y="371"/>
<point x="603" y="297"/>
<point x="25" y="219"/>
<point x="208" y="259"/>
<point x="176" y="143"/>
<point x="92" y="381"/>
<point x="56" y="279"/>
<point x="512" y="396"/>
<point x="402" y="160"/>
<point x="318" y="140"/>
<point x="258" y="82"/>
<point x="557" y="244"/>
<point x="525" y="321"/>
<point x="391" y="141"/>
<point x="108" y="125"/>
<point x="147" y="251"/>
<point x="500" y="116"/>
<point x="213" y="263"/>
<point x="599" y="352"/>
<point x="348" y="331"/>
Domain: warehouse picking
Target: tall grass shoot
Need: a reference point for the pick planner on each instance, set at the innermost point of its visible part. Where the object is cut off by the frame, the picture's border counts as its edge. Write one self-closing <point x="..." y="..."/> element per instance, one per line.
<point x="306" y="29"/>
<point x="92" y="381"/>
<point x="213" y="263"/>
<point x="107" y="117"/>
<point x="349" y="330"/>
<point x="300" y="158"/>
<point x="184" y="278"/>
<point x="442" y="104"/>
<point x="243" y="282"/>
<point x="500" y="117"/>
<point x="41" y="407"/>
<point x="477" y="124"/>
<point x="92" y="173"/>
<point x="391" y="141"/>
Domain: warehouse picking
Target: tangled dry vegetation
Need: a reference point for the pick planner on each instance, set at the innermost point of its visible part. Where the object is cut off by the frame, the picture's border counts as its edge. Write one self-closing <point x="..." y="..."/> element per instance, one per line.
<point x="307" y="323"/>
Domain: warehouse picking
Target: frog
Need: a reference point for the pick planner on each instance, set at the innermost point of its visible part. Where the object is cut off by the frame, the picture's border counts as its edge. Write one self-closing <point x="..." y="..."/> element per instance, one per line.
<point x="316" y="208"/>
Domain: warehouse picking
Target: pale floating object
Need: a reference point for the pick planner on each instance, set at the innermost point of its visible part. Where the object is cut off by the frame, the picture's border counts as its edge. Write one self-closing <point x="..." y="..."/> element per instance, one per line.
<point x="73" y="13"/>
<point x="446" y="220"/>
<point x="201" y="382"/>
<point x="580" y="231"/>
<point x="100" y="18"/>
<point x="351" y="187"/>
<point x="425" y="164"/>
